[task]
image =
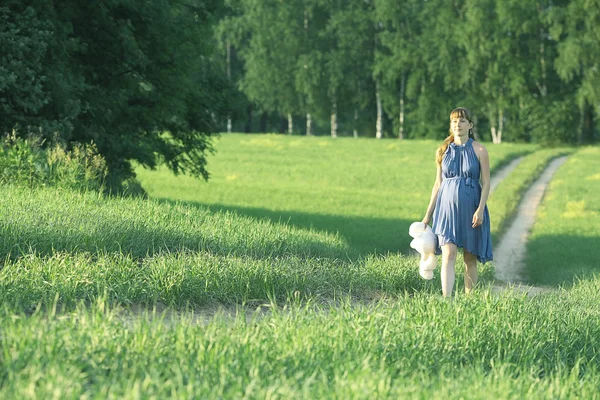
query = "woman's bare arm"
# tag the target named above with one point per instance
(434, 195)
(484, 162)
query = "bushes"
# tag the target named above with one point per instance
(25, 162)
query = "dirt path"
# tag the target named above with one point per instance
(503, 173)
(510, 253)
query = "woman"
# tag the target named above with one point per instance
(458, 201)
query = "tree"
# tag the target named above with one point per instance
(132, 76)
(577, 28)
(268, 35)
(398, 59)
(350, 59)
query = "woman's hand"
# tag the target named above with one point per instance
(426, 220)
(477, 218)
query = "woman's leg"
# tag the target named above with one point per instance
(470, 271)
(448, 260)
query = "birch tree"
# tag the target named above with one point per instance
(577, 26)
(353, 30)
(268, 36)
(399, 55)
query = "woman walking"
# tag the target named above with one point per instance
(458, 201)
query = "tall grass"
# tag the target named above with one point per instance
(141, 251)
(420, 346)
(47, 220)
(197, 279)
(564, 241)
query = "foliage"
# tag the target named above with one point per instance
(576, 29)
(507, 62)
(551, 121)
(117, 73)
(26, 162)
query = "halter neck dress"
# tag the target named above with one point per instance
(457, 200)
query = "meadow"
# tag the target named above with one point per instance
(341, 311)
(564, 242)
(366, 191)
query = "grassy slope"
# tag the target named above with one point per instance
(47, 220)
(77, 246)
(128, 250)
(481, 346)
(564, 241)
(369, 191)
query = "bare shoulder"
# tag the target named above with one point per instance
(480, 149)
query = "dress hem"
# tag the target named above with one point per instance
(447, 240)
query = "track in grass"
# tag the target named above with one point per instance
(503, 173)
(510, 253)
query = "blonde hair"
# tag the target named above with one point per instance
(459, 112)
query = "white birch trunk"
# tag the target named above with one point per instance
(308, 125)
(378, 133)
(308, 117)
(355, 131)
(290, 124)
(500, 124)
(542, 86)
(229, 79)
(334, 119)
(497, 132)
(401, 116)
(543, 89)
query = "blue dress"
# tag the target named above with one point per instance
(457, 200)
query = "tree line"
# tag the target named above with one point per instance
(386, 68)
(151, 82)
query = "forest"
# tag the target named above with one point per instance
(153, 82)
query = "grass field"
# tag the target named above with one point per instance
(503, 203)
(481, 346)
(367, 191)
(565, 241)
(349, 315)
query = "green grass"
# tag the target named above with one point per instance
(197, 279)
(48, 220)
(478, 346)
(504, 202)
(78, 246)
(564, 241)
(73, 263)
(368, 191)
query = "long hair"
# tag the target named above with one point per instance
(459, 112)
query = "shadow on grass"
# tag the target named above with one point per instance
(365, 235)
(112, 234)
(140, 243)
(562, 259)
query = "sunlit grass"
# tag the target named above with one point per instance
(48, 220)
(343, 324)
(196, 279)
(420, 346)
(565, 238)
(504, 202)
(368, 191)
